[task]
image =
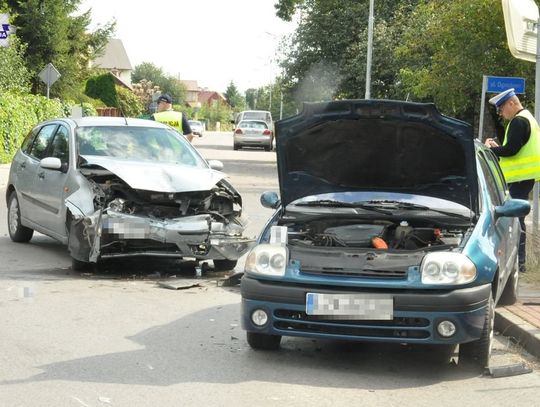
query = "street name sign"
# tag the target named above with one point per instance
(497, 84)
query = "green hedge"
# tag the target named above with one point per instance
(18, 114)
(102, 87)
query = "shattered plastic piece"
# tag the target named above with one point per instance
(179, 285)
(508, 370)
(233, 279)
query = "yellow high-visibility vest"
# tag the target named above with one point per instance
(170, 117)
(526, 163)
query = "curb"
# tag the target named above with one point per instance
(526, 335)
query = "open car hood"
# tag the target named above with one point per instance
(162, 177)
(376, 145)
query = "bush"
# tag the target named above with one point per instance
(18, 114)
(129, 104)
(102, 87)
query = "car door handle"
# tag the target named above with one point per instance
(41, 175)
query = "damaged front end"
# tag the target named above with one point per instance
(110, 219)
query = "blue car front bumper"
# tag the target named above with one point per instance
(415, 319)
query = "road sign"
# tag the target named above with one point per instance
(497, 84)
(49, 75)
(5, 30)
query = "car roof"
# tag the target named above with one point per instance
(91, 121)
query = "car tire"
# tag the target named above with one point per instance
(509, 295)
(79, 265)
(17, 232)
(476, 354)
(268, 148)
(263, 341)
(236, 147)
(224, 265)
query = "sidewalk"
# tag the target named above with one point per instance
(522, 320)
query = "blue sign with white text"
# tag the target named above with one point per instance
(497, 84)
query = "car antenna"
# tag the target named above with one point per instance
(123, 115)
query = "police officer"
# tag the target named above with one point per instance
(519, 154)
(166, 115)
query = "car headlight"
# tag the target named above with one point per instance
(447, 268)
(267, 259)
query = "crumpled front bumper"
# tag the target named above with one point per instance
(114, 234)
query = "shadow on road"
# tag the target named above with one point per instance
(209, 347)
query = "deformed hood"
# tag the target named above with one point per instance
(162, 177)
(376, 145)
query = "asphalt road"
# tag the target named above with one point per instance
(119, 339)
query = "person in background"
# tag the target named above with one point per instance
(165, 114)
(519, 153)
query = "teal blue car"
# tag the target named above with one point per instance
(392, 224)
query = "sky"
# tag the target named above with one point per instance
(210, 41)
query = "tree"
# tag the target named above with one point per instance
(14, 76)
(326, 57)
(52, 33)
(166, 83)
(234, 98)
(447, 48)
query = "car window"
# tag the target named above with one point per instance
(41, 142)
(60, 145)
(491, 183)
(137, 143)
(493, 163)
(28, 140)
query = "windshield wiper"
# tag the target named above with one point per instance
(417, 207)
(338, 204)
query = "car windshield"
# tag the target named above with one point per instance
(256, 116)
(192, 123)
(137, 143)
(252, 125)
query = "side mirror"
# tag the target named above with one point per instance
(215, 165)
(513, 208)
(51, 163)
(270, 199)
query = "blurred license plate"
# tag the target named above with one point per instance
(350, 306)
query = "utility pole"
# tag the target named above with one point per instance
(369, 49)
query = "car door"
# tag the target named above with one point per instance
(506, 229)
(27, 167)
(49, 185)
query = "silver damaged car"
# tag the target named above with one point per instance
(116, 187)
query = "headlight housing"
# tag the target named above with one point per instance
(267, 259)
(447, 268)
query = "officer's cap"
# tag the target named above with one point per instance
(502, 97)
(164, 98)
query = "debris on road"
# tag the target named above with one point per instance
(508, 370)
(179, 285)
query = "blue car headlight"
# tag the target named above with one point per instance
(267, 259)
(447, 268)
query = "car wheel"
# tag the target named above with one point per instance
(263, 341)
(79, 265)
(477, 353)
(509, 295)
(235, 147)
(224, 265)
(268, 148)
(17, 232)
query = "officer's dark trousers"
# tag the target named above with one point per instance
(521, 190)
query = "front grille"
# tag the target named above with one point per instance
(298, 321)
(338, 271)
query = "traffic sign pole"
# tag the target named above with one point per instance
(482, 108)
